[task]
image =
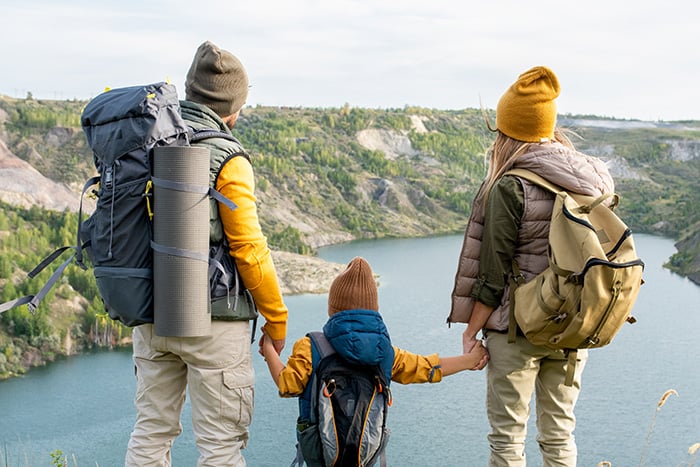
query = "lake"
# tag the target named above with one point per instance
(83, 405)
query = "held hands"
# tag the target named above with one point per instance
(472, 345)
(478, 354)
(265, 345)
(475, 359)
(273, 345)
(270, 350)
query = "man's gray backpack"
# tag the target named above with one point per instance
(125, 128)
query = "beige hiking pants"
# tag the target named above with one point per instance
(514, 372)
(218, 372)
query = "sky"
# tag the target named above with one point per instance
(614, 58)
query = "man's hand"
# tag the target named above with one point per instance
(278, 344)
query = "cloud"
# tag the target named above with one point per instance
(614, 59)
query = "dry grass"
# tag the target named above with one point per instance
(660, 404)
(692, 450)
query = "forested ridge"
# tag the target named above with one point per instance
(323, 176)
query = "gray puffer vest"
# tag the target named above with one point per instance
(573, 171)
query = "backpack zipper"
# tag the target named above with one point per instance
(109, 179)
(595, 338)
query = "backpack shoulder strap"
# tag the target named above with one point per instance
(321, 344)
(205, 133)
(586, 202)
(534, 178)
(320, 348)
(516, 278)
(197, 135)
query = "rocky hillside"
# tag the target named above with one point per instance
(23, 185)
(326, 176)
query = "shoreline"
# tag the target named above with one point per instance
(297, 275)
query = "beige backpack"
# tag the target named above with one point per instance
(587, 293)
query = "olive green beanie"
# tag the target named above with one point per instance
(217, 79)
(527, 111)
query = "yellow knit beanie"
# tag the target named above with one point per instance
(217, 79)
(354, 288)
(527, 111)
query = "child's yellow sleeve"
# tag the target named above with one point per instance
(413, 368)
(295, 376)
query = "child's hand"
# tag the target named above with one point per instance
(268, 349)
(266, 344)
(261, 343)
(478, 355)
(277, 345)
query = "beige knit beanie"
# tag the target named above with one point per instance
(354, 288)
(527, 111)
(217, 79)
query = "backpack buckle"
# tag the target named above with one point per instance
(592, 340)
(108, 178)
(329, 388)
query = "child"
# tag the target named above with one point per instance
(357, 332)
(354, 322)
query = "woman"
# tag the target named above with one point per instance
(510, 222)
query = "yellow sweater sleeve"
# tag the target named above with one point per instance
(295, 376)
(407, 368)
(413, 368)
(248, 245)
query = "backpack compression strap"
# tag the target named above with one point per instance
(188, 188)
(195, 136)
(32, 301)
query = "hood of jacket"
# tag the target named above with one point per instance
(573, 171)
(360, 337)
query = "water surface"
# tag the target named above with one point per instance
(83, 405)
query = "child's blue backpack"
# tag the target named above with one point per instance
(342, 413)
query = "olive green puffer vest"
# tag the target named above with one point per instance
(222, 150)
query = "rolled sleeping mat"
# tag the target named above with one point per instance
(181, 241)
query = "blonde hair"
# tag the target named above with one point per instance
(501, 156)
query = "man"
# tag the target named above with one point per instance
(217, 368)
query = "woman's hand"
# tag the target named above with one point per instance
(469, 340)
(479, 351)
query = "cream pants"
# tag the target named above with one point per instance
(514, 372)
(218, 372)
